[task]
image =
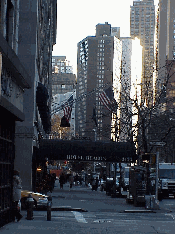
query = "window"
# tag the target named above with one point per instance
(0, 16)
(10, 23)
(63, 86)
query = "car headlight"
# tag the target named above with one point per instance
(165, 184)
(42, 198)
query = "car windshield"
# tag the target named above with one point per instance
(166, 174)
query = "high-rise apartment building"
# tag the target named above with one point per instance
(63, 79)
(142, 25)
(95, 74)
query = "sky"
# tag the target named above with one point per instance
(77, 19)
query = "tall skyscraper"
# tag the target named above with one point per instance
(95, 75)
(165, 51)
(142, 25)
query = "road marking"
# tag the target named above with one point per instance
(173, 216)
(102, 221)
(79, 217)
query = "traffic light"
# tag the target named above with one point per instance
(151, 157)
(64, 122)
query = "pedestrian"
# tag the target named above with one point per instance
(16, 195)
(86, 180)
(76, 179)
(61, 180)
(50, 183)
(71, 180)
(96, 183)
(93, 184)
(53, 178)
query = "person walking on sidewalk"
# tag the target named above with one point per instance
(16, 195)
(96, 183)
(61, 180)
(71, 180)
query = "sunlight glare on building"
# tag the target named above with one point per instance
(136, 78)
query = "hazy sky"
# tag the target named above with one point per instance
(76, 19)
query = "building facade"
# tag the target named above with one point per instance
(63, 79)
(94, 75)
(165, 52)
(142, 25)
(164, 80)
(14, 81)
(37, 35)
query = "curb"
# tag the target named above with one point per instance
(67, 208)
(139, 211)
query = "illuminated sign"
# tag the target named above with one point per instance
(98, 158)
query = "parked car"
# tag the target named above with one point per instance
(109, 182)
(40, 200)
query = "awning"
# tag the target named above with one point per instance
(41, 100)
(86, 150)
(41, 94)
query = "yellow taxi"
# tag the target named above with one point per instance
(40, 200)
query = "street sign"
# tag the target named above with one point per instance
(157, 143)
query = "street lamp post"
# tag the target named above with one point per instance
(157, 176)
(95, 131)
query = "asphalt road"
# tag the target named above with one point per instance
(100, 214)
(109, 215)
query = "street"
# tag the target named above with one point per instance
(99, 213)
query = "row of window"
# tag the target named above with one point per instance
(101, 45)
(100, 54)
(100, 76)
(100, 67)
(83, 52)
(100, 58)
(99, 72)
(143, 3)
(101, 41)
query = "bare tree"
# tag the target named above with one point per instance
(58, 132)
(137, 119)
